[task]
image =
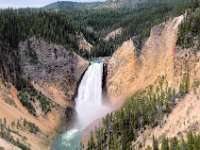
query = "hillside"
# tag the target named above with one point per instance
(97, 20)
(151, 76)
(108, 4)
(39, 88)
(78, 6)
(71, 6)
(156, 54)
(38, 76)
(135, 22)
(161, 109)
(57, 28)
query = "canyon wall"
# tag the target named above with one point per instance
(160, 56)
(129, 73)
(184, 117)
(51, 68)
(53, 71)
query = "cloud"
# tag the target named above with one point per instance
(30, 3)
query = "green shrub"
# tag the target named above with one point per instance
(31, 127)
(28, 96)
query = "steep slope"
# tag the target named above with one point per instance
(128, 74)
(37, 84)
(160, 57)
(6, 145)
(161, 87)
(84, 45)
(183, 120)
(112, 35)
(52, 68)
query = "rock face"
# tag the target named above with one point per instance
(121, 70)
(52, 68)
(183, 119)
(128, 74)
(53, 71)
(112, 35)
(9, 70)
(83, 44)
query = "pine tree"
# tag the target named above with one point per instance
(155, 144)
(174, 144)
(91, 143)
(165, 144)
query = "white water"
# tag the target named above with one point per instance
(89, 107)
(89, 99)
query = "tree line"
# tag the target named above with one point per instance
(192, 142)
(189, 33)
(63, 27)
(136, 22)
(54, 27)
(142, 111)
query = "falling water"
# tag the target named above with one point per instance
(88, 107)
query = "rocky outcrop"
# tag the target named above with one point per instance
(83, 44)
(128, 74)
(112, 35)
(9, 69)
(51, 68)
(53, 71)
(121, 70)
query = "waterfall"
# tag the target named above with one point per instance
(89, 99)
(88, 107)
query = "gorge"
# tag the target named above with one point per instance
(89, 107)
(100, 76)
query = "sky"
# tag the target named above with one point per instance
(31, 3)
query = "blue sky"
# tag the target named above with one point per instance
(31, 3)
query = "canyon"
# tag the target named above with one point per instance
(55, 74)
(129, 73)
